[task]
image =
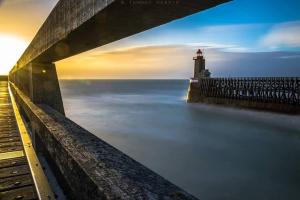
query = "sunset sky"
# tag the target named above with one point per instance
(240, 38)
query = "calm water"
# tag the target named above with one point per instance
(212, 152)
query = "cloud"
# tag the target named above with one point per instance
(164, 61)
(229, 28)
(283, 35)
(17, 1)
(230, 37)
(253, 64)
(175, 61)
(156, 54)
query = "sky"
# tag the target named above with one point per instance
(239, 38)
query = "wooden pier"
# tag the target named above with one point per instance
(19, 167)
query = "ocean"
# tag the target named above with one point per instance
(210, 151)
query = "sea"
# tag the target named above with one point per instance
(212, 152)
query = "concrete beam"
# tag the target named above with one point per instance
(75, 26)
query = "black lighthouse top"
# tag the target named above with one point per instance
(199, 52)
(199, 55)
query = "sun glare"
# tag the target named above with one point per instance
(11, 48)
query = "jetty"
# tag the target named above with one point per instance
(276, 94)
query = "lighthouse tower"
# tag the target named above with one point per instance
(199, 70)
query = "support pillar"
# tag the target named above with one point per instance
(44, 86)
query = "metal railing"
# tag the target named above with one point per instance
(285, 90)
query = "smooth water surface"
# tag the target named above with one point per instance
(212, 152)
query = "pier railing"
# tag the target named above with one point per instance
(257, 90)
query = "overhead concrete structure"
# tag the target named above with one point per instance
(75, 26)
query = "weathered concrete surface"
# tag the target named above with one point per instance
(76, 26)
(89, 167)
(44, 87)
(39, 81)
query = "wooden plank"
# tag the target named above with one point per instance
(11, 144)
(12, 162)
(25, 193)
(8, 134)
(12, 183)
(8, 131)
(14, 171)
(11, 149)
(12, 139)
(11, 154)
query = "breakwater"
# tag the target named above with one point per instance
(279, 94)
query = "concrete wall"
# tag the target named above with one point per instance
(39, 82)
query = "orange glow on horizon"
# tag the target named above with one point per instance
(128, 63)
(11, 49)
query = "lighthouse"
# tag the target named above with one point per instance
(199, 69)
